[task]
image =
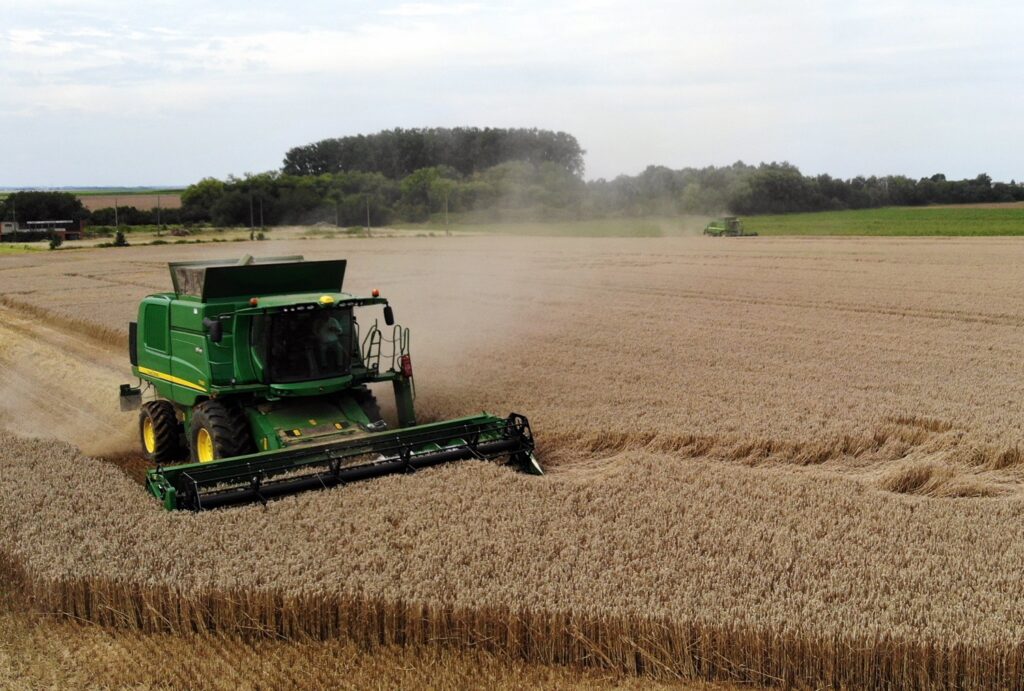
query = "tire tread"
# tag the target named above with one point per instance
(227, 424)
(166, 428)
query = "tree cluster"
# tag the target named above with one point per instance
(52, 206)
(398, 153)
(507, 190)
(130, 216)
(42, 206)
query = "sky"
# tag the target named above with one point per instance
(108, 92)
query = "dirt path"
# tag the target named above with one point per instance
(62, 385)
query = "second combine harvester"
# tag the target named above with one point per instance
(259, 378)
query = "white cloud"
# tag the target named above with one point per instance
(430, 9)
(145, 99)
(90, 32)
(690, 82)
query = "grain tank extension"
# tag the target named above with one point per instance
(256, 379)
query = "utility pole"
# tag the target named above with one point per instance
(447, 230)
(261, 213)
(252, 225)
(159, 225)
(116, 224)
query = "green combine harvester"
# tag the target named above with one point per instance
(728, 227)
(258, 375)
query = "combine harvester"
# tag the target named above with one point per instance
(259, 377)
(728, 227)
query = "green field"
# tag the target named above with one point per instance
(895, 221)
(649, 227)
(899, 221)
(20, 249)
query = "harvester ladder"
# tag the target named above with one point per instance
(372, 348)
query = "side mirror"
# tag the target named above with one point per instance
(389, 315)
(215, 327)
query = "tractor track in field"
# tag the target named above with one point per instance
(62, 385)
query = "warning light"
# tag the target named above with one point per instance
(254, 301)
(375, 293)
(326, 300)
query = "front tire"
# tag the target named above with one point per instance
(159, 432)
(218, 431)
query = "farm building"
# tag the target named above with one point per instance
(40, 230)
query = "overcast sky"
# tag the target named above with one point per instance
(107, 92)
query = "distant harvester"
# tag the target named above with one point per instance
(730, 226)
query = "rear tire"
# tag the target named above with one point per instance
(159, 432)
(218, 431)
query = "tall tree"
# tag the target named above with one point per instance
(400, 152)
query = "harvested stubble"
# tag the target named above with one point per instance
(736, 434)
(846, 352)
(142, 202)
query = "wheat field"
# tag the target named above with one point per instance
(777, 461)
(39, 652)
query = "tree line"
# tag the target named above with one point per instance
(493, 175)
(781, 188)
(521, 190)
(355, 198)
(33, 205)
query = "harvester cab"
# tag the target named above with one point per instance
(257, 374)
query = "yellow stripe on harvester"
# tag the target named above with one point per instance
(174, 380)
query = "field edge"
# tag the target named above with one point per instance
(634, 646)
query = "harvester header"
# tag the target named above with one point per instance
(258, 374)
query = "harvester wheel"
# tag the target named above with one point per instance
(159, 432)
(219, 431)
(368, 402)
